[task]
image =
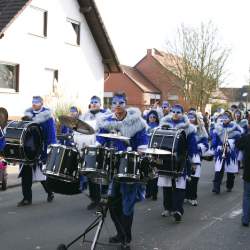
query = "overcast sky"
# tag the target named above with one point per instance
(135, 25)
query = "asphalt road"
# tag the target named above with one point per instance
(213, 224)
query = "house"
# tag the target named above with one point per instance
(140, 91)
(152, 70)
(237, 96)
(57, 49)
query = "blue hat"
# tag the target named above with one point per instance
(95, 98)
(73, 109)
(165, 104)
(178, 106)
(37, 100)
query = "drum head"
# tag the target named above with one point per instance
(24, 141)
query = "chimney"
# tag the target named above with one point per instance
(150, 52)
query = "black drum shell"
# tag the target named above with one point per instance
(175, 141)
(62, 162)
(24, 142)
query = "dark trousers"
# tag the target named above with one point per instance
(96, 190)
(123, 223)
(218, 176)
(173, 199)
(246, 203)
(152, 188)
(191, 188)
(26, 180)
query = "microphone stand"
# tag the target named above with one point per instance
(98, 222)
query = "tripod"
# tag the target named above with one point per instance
(98, 222)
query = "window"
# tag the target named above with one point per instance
(107, 102)
(9, 76)
(38, 21)
(52, 80)
(73, 32)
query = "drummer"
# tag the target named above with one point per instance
(28, 173)
(95, 111)
(123, 196)
(174, 189)
(73, 112)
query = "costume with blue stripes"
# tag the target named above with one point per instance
(2, 140)
(134, 127)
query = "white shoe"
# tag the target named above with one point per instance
(177, 216)
(166, 213)
(194, 203)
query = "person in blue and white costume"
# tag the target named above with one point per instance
(173, 195)
(94, 112)
(152, 122)
(128, 122)
(223, 143)
(243, 123)
(202, 143)
(28, 173)
(2, 139)
(3, 122)
(68, 132)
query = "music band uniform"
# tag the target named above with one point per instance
(152, 122)
(2, 140)
(202, 144)
(29, 173)
(226, 155)
(95, 112)
(174, 189)
(123, 196)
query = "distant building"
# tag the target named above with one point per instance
(149, 80)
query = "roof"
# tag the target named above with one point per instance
(10, 9)
(143, 83)
(89, 9)
(235, 94)
(219, 94)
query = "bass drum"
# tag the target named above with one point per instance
(24, 142)
(175, 141)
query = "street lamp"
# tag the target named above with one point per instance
(245, 94)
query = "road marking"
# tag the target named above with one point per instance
(235, 213)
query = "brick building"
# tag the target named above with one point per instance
(149, 80)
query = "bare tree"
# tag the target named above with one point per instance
(198, 59)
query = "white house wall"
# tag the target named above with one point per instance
(81, 72)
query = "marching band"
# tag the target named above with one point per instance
(123, 156)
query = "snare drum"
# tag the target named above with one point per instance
(97, 163)
(24, 142)
(127, 167)
(63, 163)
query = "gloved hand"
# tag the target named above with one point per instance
(193, 169)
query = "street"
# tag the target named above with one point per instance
(214, 224)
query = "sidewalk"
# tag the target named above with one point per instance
(12, 180)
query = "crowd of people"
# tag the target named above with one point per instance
(224, 137)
